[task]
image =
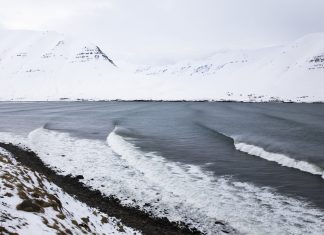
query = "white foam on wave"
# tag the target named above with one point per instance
(19, 140)
(178, 191)
(281, 159)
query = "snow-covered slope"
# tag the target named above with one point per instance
(294, 71)
(30, 204)
(50, 66)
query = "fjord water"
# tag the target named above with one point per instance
(238, 142)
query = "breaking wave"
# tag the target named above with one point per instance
(258, 151)
(281, 159)
(180, 192)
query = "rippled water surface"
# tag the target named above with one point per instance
(269, 148)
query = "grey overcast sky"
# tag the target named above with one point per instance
(162, 31)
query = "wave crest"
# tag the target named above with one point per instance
(281, 159)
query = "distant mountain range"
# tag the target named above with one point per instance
(49, 66)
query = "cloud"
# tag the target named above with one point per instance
(155, 31)
(44, 14)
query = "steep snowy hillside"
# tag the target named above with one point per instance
(49, 66)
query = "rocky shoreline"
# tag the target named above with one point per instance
(129, 216)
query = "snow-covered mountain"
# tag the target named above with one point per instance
(294, 71)
(32, 51)
(50, 66)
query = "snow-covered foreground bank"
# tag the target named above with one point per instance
(61, 68)
(30, 204)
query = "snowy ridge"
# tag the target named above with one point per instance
(281, 159)
(32, 205)
(62, 68)
(172, 189)
(261, 74)
(305, 53)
